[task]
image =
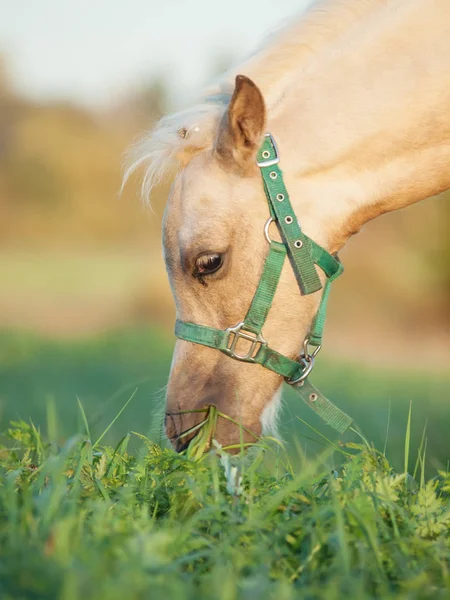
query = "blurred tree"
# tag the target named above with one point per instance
(138, 113)
(10, 104)
(60, 173)
(153, 100)
(145, 105)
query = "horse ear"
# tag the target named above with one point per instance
(242, 126)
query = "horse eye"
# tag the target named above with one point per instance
(207, 264)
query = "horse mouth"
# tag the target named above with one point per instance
(194, 432)
(183, 427)
(179, 445)
(181, 441)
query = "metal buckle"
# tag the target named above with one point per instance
(237, 333)
(270, 161)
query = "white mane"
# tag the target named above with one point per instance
(160, 150)
(274, 67)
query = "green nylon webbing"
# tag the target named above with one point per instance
(262, 300)
(220, 339)
(318, 324)
(201, 334)
(329, 264)
(331, 414)
(217, 338)
(303, 256)
(276, 192)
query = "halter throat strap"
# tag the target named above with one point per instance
(304, 254)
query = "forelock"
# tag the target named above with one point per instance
(174, 141)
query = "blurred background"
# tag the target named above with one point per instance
(85, 307)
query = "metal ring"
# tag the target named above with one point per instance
(266, 229)
(280, 197)
(306, 351)
(288, 220)
(308, 361)
(266, 154)
(298, 243)
(273, 174)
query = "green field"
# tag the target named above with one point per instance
(104, 371)
(97, 508)
(88, 522)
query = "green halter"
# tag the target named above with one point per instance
(304, 254)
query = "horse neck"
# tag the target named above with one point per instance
(290, 48)
(366, 127)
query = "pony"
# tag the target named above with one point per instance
(357, 96)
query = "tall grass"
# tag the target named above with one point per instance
(84, 521)
(103, 372)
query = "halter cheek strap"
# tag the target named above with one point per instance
(304, 254)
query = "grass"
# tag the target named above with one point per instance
(112, 513)
(81, 520)
(104, 371)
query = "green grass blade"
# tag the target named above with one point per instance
(83, 416)
(115, 419)
(407, 440)
(324, 437)
(419, 452)
(387, 428)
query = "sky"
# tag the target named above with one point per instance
(93, 51)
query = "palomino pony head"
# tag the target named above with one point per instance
(357, 95)
(215, 248)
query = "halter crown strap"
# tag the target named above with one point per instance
(304, 254)
(298, 244)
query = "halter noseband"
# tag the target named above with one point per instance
(304, 255)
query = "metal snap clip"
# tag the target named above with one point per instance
(308, 363)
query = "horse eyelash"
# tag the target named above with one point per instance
(200, 278)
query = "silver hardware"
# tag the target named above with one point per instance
(307, 359)
(266, 229)
(270, 161)
(308, 363)
(313, 397)
(266, 154)
(280, 197)
(288, 220)
(306, 351)
(273, 175)
(298, 243)
(238, 332)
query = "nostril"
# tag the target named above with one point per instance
(178, 429)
